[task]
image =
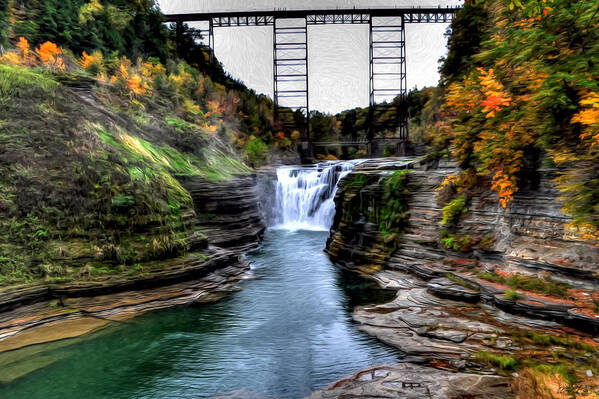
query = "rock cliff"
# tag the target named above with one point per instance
(227, 211)
(521, 282)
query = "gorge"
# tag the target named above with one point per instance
(159, 239)
(291, 319)
(302, 320)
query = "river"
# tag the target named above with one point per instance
(288, 332)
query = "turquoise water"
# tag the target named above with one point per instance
(287, 333)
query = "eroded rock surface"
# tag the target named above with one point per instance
(464, 312)
(228, 211)
(531, 239)
(408, 381)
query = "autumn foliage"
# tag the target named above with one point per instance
(527, 98)
(47, 54)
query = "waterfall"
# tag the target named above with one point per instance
(304, 195)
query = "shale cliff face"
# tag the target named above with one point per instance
(520, 281)
(227, 211)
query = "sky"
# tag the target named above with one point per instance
(338, 54)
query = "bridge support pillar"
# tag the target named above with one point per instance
(388, 78)
(290, 78)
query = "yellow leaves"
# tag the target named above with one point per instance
(92, 63)
(591, 100)
(190, 107)
(22, 55)
(88, 11)
(448, 181)
(50, 55)
(505, 186)
(11, 57)
(586, 231)
(588, 116)
(295, 135)
(150, 71)
(124, 71)
(136, 85)
(23, 46)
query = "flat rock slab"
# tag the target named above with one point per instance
(408, 381)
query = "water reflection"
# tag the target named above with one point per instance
(288, 332)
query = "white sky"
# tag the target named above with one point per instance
(338, 54)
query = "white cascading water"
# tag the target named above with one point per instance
(304, 195)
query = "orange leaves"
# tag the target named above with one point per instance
(505, 185)
(136, 85)
(463, 97)
(130, 77)
(86, 60)
(525, 24)
(92, 63)
(23, 46)
(496, 97)
(50, 55)
(214, 107)
(280, 135)
(492, 103)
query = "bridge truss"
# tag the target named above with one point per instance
(387, 54)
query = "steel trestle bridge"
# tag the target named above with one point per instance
(387, 53)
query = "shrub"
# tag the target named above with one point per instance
(393, 214)
(453, 211)
(388, 151)
(487, 243)
(256, 151)
(457, 243)
(358, 182)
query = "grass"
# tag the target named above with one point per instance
(512, 295)
(547, 340)
(92, 189)
(461, 281)
(529, 283)
(504, 362)
(17, 82)
(211, 164)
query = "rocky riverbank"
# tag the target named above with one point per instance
(521, 299)
(228, 223)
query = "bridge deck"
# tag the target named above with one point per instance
(244, 18)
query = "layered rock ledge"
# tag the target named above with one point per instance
(228, 222)
(474, 311)
(228, 211)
